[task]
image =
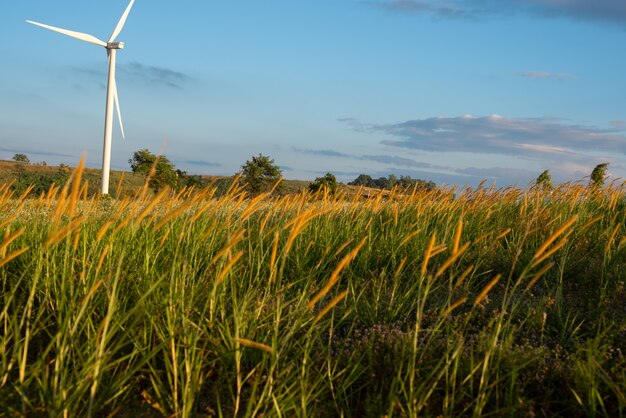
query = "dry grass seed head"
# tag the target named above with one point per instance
(483, 294)
(334, 277)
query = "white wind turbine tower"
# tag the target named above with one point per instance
(112, 99)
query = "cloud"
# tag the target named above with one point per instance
(30, 151)
(619, 125)
(137, 72)
(587, 10)
(502, 175)
(155, 75)
(323, 153)
(530, 138)
(416, 6)
(545, 74)
(475, 147)
(396, 161)
(201, 163)
(383, 159)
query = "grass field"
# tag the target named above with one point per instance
(22, 175)
(445, 303)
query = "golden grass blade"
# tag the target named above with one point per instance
(229, 246)
(103, 230)
(331, 305)
(152, 204)
(547, 254)
(253, 344)
(14, 215)
(13, 255)
(169, 217)
(428, 253)
(228, 267)
(408, 237)
(9, 239)
(334, 277)
(273, 257)
(554, 236)
(457, 237)
(264, 222)
(65, 231)
(483, 294)
(455, 255)
(607, 248)
(120, 183)
(164, 237)
(503, 234)
(104, 253)
(400, 267)
(592, 221)
(252, 206)
(76, 185)
(463, 276)
(452, 307)
(540, 273)
(343, 247)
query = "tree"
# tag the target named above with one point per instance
(21, 158)
(328, 182)
(260, 174)
(544, 180)
(362, 180)
(165, 172)
(41, 183)
(190, 180)
(391, 181)
(598, 175)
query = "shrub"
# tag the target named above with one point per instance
(598, 175)
(544, 180)
(260, 174)
(328, 182)
(165, 174)
(21, 158)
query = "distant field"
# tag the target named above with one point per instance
(131, 183)
(480, 303)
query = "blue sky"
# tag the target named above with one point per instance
(454, 91)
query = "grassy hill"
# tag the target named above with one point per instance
(122, 182)
(43, 176)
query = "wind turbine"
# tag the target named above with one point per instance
(112, 98)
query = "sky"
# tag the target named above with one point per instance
(453, 91)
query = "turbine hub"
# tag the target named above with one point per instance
(115, 45)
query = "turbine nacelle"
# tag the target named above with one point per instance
(115, 45)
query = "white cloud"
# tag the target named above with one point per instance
(544, 148)
(530, 137)
(510, 150)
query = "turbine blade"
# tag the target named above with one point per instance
(117, 107)
(120, 24)
(78, 35)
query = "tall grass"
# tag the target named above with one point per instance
(424, 303)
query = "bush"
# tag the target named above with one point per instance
(391, 181)
(21, 158)
(544, 180)
(598, 175)
(260, 174)
(328, 182)
(41, 182)
(165, 174)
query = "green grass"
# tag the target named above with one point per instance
(485, 303)
(22, 175)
